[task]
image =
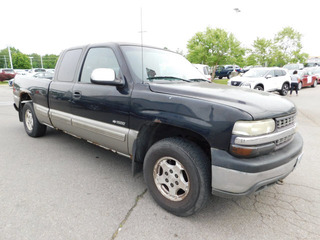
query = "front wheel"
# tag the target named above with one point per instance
(31, 124)
(315, 83)
(177, 174)
(259, 88)
(284, 90)
(299, 85)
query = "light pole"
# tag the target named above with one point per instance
(9, 51)
(31, 62)
(41, 61)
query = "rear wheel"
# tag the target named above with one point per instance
(284, 89)
(315, 83)
(31, 124)
(177, 174)
(299, 85)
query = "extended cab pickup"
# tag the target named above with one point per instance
(192, 137)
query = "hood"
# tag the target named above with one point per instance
(258, 104)
(246, 79)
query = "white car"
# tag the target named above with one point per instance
(204, 69)
(264, 79)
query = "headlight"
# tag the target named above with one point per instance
(246, 85)
(254, 128)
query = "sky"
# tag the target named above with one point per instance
(48, 27)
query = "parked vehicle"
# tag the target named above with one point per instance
(47, 75)
(247, 68)
(204, 69)
(293, 66)
(316, 72)
(307, 78)
(6, 74)
(264, 79)
(226, 70)
(191, 137)
(36, 70)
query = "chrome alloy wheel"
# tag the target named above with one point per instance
(171, 179)
(28, 119)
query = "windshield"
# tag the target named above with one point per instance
(160, 65)
(254, 72)
(291, 66)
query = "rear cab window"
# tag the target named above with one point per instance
(68, 65)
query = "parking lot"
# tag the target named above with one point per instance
(61, 187)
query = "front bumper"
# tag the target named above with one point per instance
(233, 176)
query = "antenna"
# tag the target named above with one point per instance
(141, 32)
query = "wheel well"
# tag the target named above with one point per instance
(23, 97)
(259, 85)
(151, 133)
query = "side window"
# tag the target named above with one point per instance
(68, 65)
(99, 58)
(278, 73)
(271, 73)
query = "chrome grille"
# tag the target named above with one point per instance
(285, 121)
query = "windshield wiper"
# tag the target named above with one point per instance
(169, 78)
(199, 80)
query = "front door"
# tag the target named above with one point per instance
(101, 112)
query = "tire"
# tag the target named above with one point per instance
(284, 89)
(177, 174)
(220, 77)
(31, 124)
(314, 84)
(259, 88)
(299, 85)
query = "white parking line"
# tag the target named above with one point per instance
(6, 103)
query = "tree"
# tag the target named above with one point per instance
(20, 61)
(36, 60)
(4, 57)
(262, 49)
(215, 47)
(49, 61)
(288, 43)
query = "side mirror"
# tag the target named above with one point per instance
(268, 76)
(105, 76)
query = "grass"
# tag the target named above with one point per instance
(221, 81)
(4, 83)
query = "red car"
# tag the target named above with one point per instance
(6, 74)
(315, 71)
(307, 78)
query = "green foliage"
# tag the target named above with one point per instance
(288, 42)
(20, 61)
(49, 61)
(215, 47)
(262, 49)
(23, 61)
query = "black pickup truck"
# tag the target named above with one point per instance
(191, 137)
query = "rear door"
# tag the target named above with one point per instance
(60, 92)
(280, 78)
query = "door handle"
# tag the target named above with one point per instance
(77, 94)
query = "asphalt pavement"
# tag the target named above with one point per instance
(60, 187)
